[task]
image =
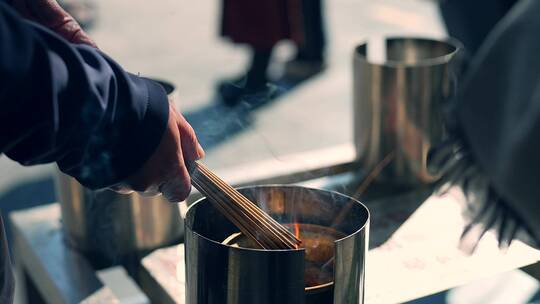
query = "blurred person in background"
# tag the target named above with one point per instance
(62, 100)
(309, 58)
(493, 151)
(261, 25)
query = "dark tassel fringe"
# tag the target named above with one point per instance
(453, 161)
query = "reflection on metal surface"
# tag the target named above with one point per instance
(109, 226)
(217, 273)
(397, 104)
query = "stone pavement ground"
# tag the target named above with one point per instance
(178, 40)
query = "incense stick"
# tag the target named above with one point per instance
(373, 174)
(253, 222)
(366, 182)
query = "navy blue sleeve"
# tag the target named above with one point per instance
(72, 105)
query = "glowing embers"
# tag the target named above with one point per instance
(318, 242)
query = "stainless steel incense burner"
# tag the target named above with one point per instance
(398, 103)
(221, 268)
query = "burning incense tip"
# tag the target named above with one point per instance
(318, 243)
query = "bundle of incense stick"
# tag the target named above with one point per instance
(253, 222)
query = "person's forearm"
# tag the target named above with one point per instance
(73, 105)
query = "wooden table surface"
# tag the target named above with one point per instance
(59, 273)
(413, 241)
(413, 252)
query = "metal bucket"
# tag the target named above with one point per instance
(397, 103)
(220, 273)
(110, 227)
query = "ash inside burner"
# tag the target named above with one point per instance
(318, 242)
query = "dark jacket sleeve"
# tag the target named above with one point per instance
(73, 105)
(499, 110)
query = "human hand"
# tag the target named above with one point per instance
(51, 15)
(166, 171)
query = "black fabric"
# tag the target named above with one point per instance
(470, 21)
(498, 108)
(73, 105)
(314, 34)
(256, 74)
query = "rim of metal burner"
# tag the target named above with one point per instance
(453, 45)
(254, 187)
(239, 234)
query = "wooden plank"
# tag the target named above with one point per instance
(163, 275)
(122, 285)
(60, 274)
(421, 256)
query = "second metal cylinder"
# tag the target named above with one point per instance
(397, 103)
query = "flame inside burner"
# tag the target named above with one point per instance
(318, 243)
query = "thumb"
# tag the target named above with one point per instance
(191, 149)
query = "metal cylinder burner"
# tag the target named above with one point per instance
(222, 268)
(398, 101)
